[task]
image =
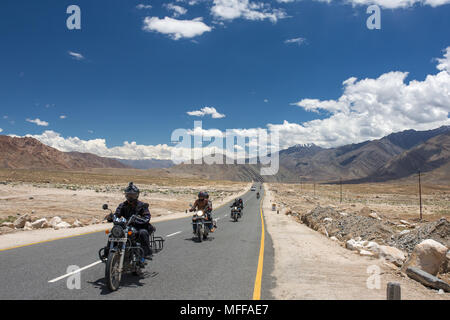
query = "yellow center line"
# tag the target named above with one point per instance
(259, 271)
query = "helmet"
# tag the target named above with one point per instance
(206, 195)
(202, 195)
(131, 192)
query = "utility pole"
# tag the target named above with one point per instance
(420, 197)
(340, 184)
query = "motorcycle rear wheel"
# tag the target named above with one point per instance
(112, 274)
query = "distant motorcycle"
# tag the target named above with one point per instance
(257, 195)
(124, 252)
(201, 225)
(235, 213)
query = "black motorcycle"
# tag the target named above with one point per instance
(124, 253)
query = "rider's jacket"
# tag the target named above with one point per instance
(237, 204)
(139, 208)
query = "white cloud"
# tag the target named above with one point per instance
(395, 4)
(206, 111)
(143, 6)
(444, 63)
(234, 9)
(299, 41)
(372, 108)
(62, 116)
(76, 55)
(266, 100)
(129, 150)
(176, 29)
(38, 122)
(177, 10)
(1, 130)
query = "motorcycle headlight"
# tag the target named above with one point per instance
(117, 232)
(200, 213)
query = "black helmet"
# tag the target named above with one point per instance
(206, 195)
(131, 192)
(202, 195)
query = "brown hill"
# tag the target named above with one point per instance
(29, 153)
(431, 157)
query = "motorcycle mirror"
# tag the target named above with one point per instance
(105, 207)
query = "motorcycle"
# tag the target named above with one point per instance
(257, 195)
(201, 225)
(235, 213)
(125, 253)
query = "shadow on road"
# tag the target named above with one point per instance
(128, 281)
(196, 240)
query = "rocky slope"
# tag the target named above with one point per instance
(29, 153)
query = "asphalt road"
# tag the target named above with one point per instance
(222, 267)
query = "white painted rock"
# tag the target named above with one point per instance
(429, 256)
(327, 220)
(62, 225)
(373, 247)
(333, 238)
(39, 224)
(365, 253)
(28, 226)
(393, 255)
(77, 224)
(354, 245)
(55, 221)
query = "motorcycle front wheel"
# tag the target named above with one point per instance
(199, 234)
(112, 273)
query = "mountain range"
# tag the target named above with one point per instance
(396, 156)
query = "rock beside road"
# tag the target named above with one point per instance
(392, 254)
(40, 223)
(28, 226)
(62, 225)
(55, 221)
(20, 222)
(8, 225)
(427, 279)
(429, 256)
(77, 224)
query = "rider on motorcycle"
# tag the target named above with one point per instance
(238, 203)
(132, 206)
(203, 203)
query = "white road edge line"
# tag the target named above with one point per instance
(76, 271)
(172, 234)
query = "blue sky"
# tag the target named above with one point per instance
(124, 82)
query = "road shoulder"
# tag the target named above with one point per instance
(310, 266)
